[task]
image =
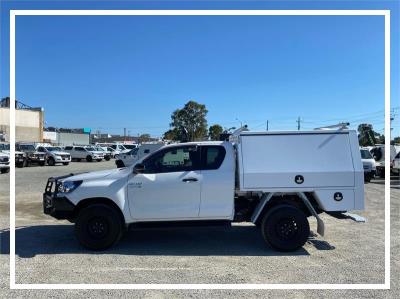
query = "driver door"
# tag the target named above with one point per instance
(168, 188)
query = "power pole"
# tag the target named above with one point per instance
(298, 123)
(267, 125)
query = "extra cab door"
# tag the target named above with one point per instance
(169, 186)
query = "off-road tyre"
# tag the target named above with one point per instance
(98, 227)
(285, 228)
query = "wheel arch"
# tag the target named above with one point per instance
(98, 200)
(288, 199)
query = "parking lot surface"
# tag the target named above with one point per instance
(47, 252)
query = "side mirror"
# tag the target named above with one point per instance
(139, 168)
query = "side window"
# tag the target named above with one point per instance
(173, 160)
(80, 149)
(41, 149)
(212, 157)
(114, 147)
(68, 148)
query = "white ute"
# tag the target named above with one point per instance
(272, 179)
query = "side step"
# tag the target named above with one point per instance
(347, 215)
(189, 223)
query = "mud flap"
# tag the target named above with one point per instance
(320, 223)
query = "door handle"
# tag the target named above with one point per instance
(190, 180)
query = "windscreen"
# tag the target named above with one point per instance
(53, 148)
(27, 147)
(4, 147)
(129, 146)
(365, 154)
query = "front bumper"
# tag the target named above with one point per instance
(37, 159)
(5, 165)
(59, 207)
(62, 159)
(19, 159)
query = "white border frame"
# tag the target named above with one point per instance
(385, 13)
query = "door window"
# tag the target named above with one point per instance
(173, 160)
(212, 157)
(41, 149)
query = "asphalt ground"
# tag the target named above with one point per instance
(47, 251)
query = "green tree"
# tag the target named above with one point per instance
(189, 123)
(366, 135)
(172, 134)
(144, 138)
(215, 131)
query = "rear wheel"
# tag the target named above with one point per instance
(285, 228)
(98, 227)
(5, 170)
(65, 163)
(89, 158)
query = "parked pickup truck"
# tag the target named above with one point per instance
(87, 153)
(32, 155)
(54, 154)
(275, 180)
(20, 157)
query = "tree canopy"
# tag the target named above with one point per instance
(188, 123)
(215, 131)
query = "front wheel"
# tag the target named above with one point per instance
(285, 228)
(98, 227)
(51, 162)
(107, 158)
(89, 158)
(5, 170)
(42, 163)
(65, 163)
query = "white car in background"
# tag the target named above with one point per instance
(368, 164)
(378, 152)
(54, 154)
(108, 153)
(396, 164)
(4, 163)
(87, 153)
(20, 157)
(136, 154)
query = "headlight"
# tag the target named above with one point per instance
(68, 186)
